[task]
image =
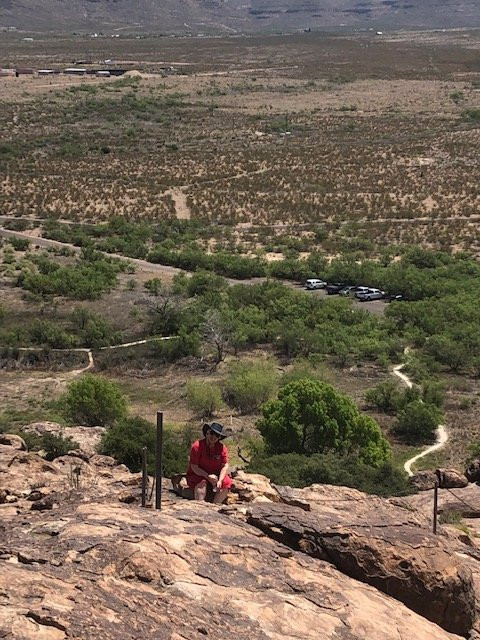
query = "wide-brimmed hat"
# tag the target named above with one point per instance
(216, 427)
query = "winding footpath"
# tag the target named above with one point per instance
(89, 353)
(442, 435)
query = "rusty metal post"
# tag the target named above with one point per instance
(144, 476)
(435, 506)
(158, 461)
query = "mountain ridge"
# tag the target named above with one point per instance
(211, 17)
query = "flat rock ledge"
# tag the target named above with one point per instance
(398, 558)
(113, 571)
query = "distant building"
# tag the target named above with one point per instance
(75, 71)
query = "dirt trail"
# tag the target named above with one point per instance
(182, 210)
(442, 435)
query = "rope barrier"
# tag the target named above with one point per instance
(476, 509)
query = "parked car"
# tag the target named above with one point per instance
(335, 287)
(370, 294)
(315, 283)
(391, 297)
(352, 290)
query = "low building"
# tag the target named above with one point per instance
(75, 71)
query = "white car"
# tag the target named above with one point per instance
(314, 283)
(370, 294)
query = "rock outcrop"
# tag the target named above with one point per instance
(101, 570)
(79, 558)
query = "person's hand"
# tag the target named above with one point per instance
(212, 478)
(218, 486)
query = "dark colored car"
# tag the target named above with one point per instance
(392, 297)
(335, 287)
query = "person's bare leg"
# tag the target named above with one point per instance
(200, 490)
(220, 496)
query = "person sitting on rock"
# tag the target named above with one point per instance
(209, 465)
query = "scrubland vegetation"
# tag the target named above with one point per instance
(357, 171)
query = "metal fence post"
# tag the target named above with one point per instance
(158, 461)
(435, 506)
(144, 476)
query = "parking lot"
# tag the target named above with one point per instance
(376, 307)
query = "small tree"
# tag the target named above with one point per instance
(93, 400)
(204, 398)
(250, 384)
(417, 423)
(310, 416)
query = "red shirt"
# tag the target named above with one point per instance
(210, 459)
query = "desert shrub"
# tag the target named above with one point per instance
(310, 416)
(471, 114)
(249, 384)
(297, 470)
(56, 446)
(385, 397)
(417, 423)
(125, 441)
(388, 397)
(95, 331)
(187, 343)
(204, 398)
(19, 244)
(48, 334)
(86, 280)
(93, 400)
(300, 370)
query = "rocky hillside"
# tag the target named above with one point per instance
(80, 559)
(233, 16)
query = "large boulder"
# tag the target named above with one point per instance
(394, 554)
(424, 480)
(472, 472)
(12, 440)
(451, 479)
(118, 572)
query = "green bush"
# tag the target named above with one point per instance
(95, 331)
(93, 400)
(249, 384)
(187, 343)
(204, 398)
(19, 244)
(417, 423)
(125, 441)
(310, 416)
(297, 470)
(385, 397)
(48, 334)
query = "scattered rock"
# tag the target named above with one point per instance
(127, 497)
(44, 504)
(249, 486)
(472, 472)
(451, 479)
(102, 461)
(12, 440)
